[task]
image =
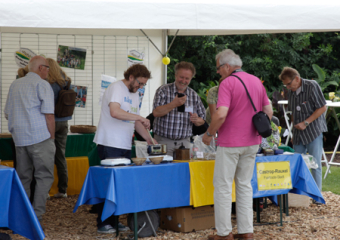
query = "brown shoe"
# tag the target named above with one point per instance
(216, 237)
(244, 236)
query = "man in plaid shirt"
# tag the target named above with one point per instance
(176, 107)
(30, 113)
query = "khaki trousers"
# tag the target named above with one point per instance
(39, 158)
(234, 163)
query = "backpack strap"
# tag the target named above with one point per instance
(68, 84)
(246, 91)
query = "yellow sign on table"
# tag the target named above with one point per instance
(273, 175)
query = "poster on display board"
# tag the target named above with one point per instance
(71, 57)
(137, 57)
(81, 95)
(23, 56)
(106, 80)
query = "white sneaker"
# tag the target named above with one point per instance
(60, 195)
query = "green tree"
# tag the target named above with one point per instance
(263, 55)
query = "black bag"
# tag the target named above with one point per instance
(144, 227)
(260, 119)
(66, 102)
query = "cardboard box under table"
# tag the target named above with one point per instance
(200, 215)
(187, 219)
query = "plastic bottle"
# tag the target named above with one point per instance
(194, 151)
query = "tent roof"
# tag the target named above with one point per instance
(199, 17)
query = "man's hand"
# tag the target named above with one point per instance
(145, 122)
(206, 139)
(195, 119)
(179, 101)
(300, 126)
(149, 141)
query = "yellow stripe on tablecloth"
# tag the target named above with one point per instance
(8, 163)
(77, 169)
(201, 182)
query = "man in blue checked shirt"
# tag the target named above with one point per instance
(29, 110)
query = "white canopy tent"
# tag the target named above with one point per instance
(109, 28)
(194, 17)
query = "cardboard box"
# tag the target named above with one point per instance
(187, 219)
(296, 200)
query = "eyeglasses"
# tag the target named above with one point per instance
(218, 68)
(288, 84)
(48, 67)
(141, 84)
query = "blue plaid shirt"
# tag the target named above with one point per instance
(29, 99)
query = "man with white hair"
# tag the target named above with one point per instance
(238, 142)
(30, 113)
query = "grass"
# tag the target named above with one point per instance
(332, 181)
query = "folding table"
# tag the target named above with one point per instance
(332, 106)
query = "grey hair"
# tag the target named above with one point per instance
(230, 57)
(35, 62)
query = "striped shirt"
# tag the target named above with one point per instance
(29, 99)
(176, 125)
(303, 105)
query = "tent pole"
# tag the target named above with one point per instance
(165, 49)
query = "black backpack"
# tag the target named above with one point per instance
(66, 102)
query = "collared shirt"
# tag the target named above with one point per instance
(29, 99)
(176, 125)
(303, 105)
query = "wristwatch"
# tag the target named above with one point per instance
(209, 135)
(306, 123)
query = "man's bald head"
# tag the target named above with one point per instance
(39, 65)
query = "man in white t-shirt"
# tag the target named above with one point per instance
(118, 119)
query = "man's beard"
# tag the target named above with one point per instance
(132, 88)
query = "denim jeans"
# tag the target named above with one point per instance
(105, 152)
(315, 149)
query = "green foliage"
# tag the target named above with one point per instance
(322, 80)
(203, 91)
(263, 55)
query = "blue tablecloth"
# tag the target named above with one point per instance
(136, 188)
(140, 188)
(302, 180)
(16, 211)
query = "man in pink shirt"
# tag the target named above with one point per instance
(238, 142)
